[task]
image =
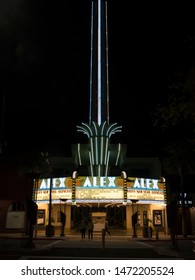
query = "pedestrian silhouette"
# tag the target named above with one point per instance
(83, 229)
(106, 228)
(90, 228)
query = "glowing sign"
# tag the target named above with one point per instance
(101, 182)
(101, 188)
(146, 183)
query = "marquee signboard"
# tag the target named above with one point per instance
(100, 188)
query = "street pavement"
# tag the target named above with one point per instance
(116, 246)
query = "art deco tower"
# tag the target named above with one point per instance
(99, 86)
(99, 155)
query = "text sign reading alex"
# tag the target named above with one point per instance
(111, 187)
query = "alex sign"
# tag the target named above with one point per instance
(100, 182)
(151, 184)
(101, 188)
(113, 182)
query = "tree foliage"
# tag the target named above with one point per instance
(176, 120)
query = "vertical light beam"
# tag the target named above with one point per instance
(99, 63)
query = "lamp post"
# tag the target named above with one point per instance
(35, 198)
(31, 217)
(50, 227)
(183, 206)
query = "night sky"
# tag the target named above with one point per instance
(44, 65)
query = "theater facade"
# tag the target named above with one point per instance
(112, 198)
(101, 189)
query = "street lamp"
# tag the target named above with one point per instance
(49, 227)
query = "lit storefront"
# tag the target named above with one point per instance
(145, 196)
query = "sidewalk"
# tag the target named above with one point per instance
(114, 233)
(118, 242)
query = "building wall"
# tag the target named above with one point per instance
(148, 208)
(14, 188)
(192, 212)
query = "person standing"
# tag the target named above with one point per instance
(83, 229)
(90, 228)
(106, 228)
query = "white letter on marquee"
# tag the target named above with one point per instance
(43, 184)
(87, 183)
(148, 183)
(111, 182)
(102, 181)
(62, 182)
(142, 183)
(54, 182)
(94, 181)
(136, 184)
(155, 184)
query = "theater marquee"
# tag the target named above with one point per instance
(100, 189)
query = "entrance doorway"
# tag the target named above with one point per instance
(99, 220)
(115, 215)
